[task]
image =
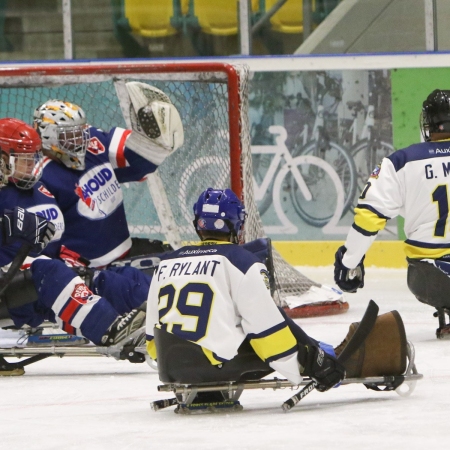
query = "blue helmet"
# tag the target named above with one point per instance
(219, 210)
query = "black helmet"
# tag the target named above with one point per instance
(435, 116)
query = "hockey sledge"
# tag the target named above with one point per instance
(185, 394)
(33, 345)
(200, 387)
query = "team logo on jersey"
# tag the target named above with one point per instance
(44, 191)
(85, 198)
(376, 172)
(99, 192)
(95, 146)
(266, 279)
(81, 293)
(52, 213)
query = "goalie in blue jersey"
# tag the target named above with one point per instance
(85, 166)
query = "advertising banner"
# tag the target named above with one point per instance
(316, 138)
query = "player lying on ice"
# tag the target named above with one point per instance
(210, 314)
(85, 166)
(412, 183)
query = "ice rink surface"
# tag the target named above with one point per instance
(100, 403)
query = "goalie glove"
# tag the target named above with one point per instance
(349, 280)
(24, 226)
(155, 121)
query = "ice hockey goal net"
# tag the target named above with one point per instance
(212, 99)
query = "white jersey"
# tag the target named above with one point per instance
(216, 295)
(412, 183)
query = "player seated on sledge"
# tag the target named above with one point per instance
(85, 166)
(22, 194)
(82, 171)
(211, 318)
(50, 290)
(412, 183)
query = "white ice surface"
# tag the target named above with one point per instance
(100, 403)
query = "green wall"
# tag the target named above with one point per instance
(410, 87)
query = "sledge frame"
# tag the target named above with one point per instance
(185, 393)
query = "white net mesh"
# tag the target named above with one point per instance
(161, 208)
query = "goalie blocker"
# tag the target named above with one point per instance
(155, 121)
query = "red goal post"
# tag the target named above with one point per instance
(212, 99)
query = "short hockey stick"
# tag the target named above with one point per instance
(361, 333)
(15, 266)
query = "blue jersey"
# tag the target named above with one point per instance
(37, 200)
(91, 199)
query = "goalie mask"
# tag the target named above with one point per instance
(64, 132)
(435, 116)
(22, 159)
(220, 210)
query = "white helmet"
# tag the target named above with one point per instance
(64, 132)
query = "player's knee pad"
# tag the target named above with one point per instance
(428, 283)
(20, 291)
(383, 353)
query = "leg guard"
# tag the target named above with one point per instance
(20, 291)
(429, 284)
(383, 353)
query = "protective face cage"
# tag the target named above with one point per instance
(69, 144)
(3, 173)
(25, 169)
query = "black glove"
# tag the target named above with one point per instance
(21, 225)
(349, 280)
(323, 368)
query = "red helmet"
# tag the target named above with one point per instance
(22, 145)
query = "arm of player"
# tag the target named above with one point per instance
(262, 322)
(380, 200)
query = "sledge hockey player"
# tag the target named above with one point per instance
(412, 183)
(24, 202)
(84, 167)
(50, 288)
(208, 302)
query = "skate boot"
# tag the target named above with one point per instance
(123, 327)
(443, 332)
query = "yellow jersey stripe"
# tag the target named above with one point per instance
(414, 252)
(269, 347)
(151, 349)
(368, 220)
(210, 356)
